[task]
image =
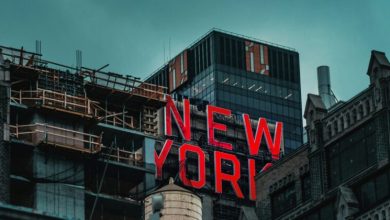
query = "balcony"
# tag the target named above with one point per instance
(57, 137)
(123, 156)
(54, 100)
(117, 119)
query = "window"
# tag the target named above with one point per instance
(348, 121)
(361, 112)
(368, 107)
(324, 213)
(351, 154)
(374, 191)
(354, 116)
(335, 127)
(341, 123)
(283, 200)
(329, 131)
(383, 214)
(306, 191)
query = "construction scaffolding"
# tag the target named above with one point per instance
(37, 134)
(70, 117)
(55, 100)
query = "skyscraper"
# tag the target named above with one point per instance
(243, 74)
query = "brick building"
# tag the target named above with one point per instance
(343, 172)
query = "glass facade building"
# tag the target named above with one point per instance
(241, 74)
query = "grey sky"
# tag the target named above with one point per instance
(131, 35)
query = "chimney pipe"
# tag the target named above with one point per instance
(324, 87)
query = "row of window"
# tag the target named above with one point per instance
(283, 64)
(286, 198)
(347, 119)
(230, 51)
(374, 191)
(202, 55)
(258, 86)
(326, 212)
(259, 105)
(351, 154)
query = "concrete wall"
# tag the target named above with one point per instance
(60, 187)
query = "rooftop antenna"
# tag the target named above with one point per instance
(38, 48)
(79, 60)
(169, 50)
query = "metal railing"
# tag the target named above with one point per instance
(57, 137)
(118, 119)
(126, 84)
(51, 99)
(123, 156)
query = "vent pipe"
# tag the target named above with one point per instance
(324, 88)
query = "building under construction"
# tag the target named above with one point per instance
(79, 143)
(75, 143)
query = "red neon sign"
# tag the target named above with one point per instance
(253, 141)
(198, 184)
(211, 126)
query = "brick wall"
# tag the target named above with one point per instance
(283, 172)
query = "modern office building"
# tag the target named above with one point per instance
(343, 172)
(242, 74)
(247, 76)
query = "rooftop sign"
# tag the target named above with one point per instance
(183, 123)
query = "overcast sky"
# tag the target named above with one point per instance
(131, 35)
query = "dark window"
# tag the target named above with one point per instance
(354, 116)
(280, 72)
(208, 46)
(351, 154)
(335, 127)
(222, 50)
(201, 56)
(228, 52)
(348, 117)
(285, 69)
(368, 107)
(234, 54)
(283, 200)
(306, 192)
(361, 112)
(374, 191)
(324, 213)
(241, 54)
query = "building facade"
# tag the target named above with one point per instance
(242, 74)
(343, 172)
(75, 143)
(245, 76)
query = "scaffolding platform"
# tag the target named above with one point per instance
(54, 100)
(37, 134)
(124, 156)
(123, 89)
